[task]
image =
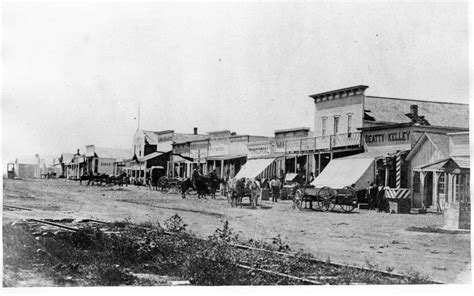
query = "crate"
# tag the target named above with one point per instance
(399, 206)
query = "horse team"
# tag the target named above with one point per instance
(203, 185)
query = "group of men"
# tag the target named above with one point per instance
(376, 197)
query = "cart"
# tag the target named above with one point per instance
(290, 186)
(326, 198)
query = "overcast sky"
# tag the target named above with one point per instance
(74, 74)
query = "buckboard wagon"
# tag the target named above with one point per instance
(326, 198)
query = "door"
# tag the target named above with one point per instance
(428, 190)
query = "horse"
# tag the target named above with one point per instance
(254, 187)
(236, 191)
(186, 184)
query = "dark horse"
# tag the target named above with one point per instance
(204, 185)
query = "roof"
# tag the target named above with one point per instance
(103, 152)
(439, 141)
(66, 157)
(357, 88)
(152, 137)
(184, 138)
(394, 110)
(226, 157)
(292, 129)
(461, 161)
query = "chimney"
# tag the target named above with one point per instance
(78, 152)
(414, 113)
(195, 130)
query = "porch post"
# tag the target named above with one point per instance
(319, 163)
(422, 188)
(435, 197)
(296, 162)
(387, 172)
(222, 168)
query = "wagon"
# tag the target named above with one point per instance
(169, 185)
(326, 198)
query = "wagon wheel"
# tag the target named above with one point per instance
(327, 199)
(298, 200)
(350, 201)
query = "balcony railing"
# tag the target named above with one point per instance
(320, 143)
(345, 140)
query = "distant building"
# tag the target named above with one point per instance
(100, 160)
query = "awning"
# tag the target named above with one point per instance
(434, 166)
(151, 156)
(253, 167)
(379, 152)
(342, 172)
(226, 157)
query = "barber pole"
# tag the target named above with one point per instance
(398, 169)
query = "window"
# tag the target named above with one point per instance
(323, 126)
(441, 183)
(416, 182)
(349, 123)
(336, 124)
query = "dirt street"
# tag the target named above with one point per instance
(363, 238)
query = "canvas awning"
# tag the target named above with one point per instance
(253, 167)
(342, 172)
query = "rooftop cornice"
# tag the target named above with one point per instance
(339, 93)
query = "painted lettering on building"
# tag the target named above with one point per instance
(259, 150)
(387, 138)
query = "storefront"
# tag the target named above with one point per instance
(440, 171)
(198, 152)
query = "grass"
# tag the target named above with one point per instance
(92, 257)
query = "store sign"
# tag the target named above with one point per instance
(182, 149)
(391, 137)
(216, 149)
(198, 150)
(293, 146)
(259, 150)
(308, 144)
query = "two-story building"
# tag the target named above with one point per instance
(385, 130)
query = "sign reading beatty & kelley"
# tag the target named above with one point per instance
(388, 137)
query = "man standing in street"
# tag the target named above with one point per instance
(275, 185)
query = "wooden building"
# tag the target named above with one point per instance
(101, 160)
(440, 170)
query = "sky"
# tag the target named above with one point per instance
(75, 74)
